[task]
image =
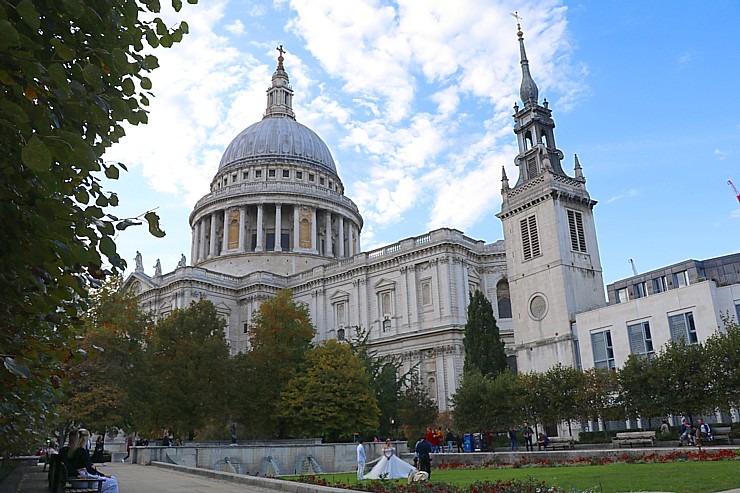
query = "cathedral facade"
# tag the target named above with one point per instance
(276, 217)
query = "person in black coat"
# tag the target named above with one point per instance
(424, 450)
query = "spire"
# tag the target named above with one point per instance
(280, 94)
(578, 169)
(528, 90)
(504, 179)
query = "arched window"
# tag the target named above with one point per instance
(503, 299)
(527, 141)
(340, 335)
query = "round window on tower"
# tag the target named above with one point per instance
(538, 306)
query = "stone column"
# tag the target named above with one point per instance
(329, 250)
(242, 228)
(296, 242)
(202, 245)
(213, 235)
(359, 245)
(194, 244)
(351, 245)
(225, 239)
(341, 237)
(260, 229)
(278, 227)
(314, 233)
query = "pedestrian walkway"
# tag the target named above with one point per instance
(151, 479)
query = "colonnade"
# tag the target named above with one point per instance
(253, 227)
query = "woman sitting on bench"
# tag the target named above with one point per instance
(79, 460)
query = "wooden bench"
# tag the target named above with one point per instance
(722, 433)
(65, 484)
(561, 443)
(634, 438)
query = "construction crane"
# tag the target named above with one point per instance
(729, 182)
(634, 269)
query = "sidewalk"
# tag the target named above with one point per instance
(132, 477)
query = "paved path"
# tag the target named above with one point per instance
(133, 478)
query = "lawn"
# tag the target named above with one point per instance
(677, 477)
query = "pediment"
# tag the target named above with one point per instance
(339, 295)
(383, 284)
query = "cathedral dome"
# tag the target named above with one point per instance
(278, 140)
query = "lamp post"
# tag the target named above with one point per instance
(393, 424)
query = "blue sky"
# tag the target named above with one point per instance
(414, 99)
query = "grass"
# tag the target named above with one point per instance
(677, 477)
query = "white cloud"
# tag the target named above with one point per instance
(721, 155)
(236, 27)
(626, 194)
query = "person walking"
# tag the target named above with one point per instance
(512, 439)
(361, 461)
(450, 438)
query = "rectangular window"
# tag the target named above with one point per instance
(271, 173)
(532, 170)
(226, 180)
(601, 343)
(639, 289)
(299, 175)
(659, 285)
(310, 177)
(577, 236)
(341, 311)
(737, 310)
(321, 180)
(286, 173)
(680, 279)
(258, 173)
(622, 295)
(682, 328)
(641, 340)
(245, 175)
(246, 328)
(530, 237)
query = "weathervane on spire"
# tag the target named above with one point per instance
(518, 18)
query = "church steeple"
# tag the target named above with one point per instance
(280, 94)
(528, 90)
(534, 127)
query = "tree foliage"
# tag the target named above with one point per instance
(186, 361)
(484, 349)
(682, 370)
(641, 391)
(70, 74)
(560, 388)
(331, 397)
(416, 409)
(722, 355)
(280, 335)
(600, 396)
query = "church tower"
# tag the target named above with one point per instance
(551, 251)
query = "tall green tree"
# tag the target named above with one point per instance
(684, 374)
(70, 74)
(330, 397)
(186, 363)
(484, 349)
(280, 335)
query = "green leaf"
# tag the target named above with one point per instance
(36, 155)
(92, 75)
(29, 14)
(8, 35)
(127, 85)
(146, 83)
(65, 52)
(151, 62)
(177, 5)
(107, 246)
(82, 196)
(126, 223)
(111, 172)
(153, 220)
(59, 76)
(15, 368)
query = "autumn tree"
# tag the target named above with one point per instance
(280, 335)
(71, 73)
(484, 349)
(330, 397)
(185, 370)
(114, 330)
